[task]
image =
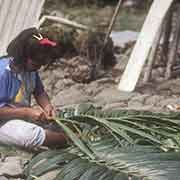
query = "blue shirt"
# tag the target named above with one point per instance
(17, 88)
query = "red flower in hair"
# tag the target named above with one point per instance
(44, 41)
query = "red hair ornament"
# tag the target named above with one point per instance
(44, 41)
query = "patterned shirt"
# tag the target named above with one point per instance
(17, 88)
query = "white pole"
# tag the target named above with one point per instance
(143, 45)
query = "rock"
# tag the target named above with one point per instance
(62, 84)
(11, 166)
(111, 95)
(135, 105)
(44, 74)
(138, 107)
(113, 106)
(69, 96)
(58, 73)
(106, 80)
(140, 98)
(165, 84)
(166, 93)
(68, 82)
(167, 101)
(93, 88)
(153, 100)
(175, 88)
(159, 72)
(3, 178)
(78, 69)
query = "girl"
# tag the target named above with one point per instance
(19, 80)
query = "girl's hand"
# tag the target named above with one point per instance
(50, 111)
(37, 114)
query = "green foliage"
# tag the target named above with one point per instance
(98, 14)
(114, 145)
(85, 2)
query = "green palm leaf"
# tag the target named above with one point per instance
(140, 161)
(115, 145)
(76, 140)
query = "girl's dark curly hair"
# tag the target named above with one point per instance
(25, 46)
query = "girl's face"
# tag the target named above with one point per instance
(32, 65)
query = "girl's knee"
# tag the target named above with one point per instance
(21, 133)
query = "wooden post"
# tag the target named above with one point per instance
(152, 56)
(174, 46)
(101, 54)
(113, 21)
(167, 34)
(143, 45)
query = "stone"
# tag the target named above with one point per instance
(114, 106)
(140, 108)
(153, 100)
(69, 96)
(165, 85)
(112, 95)
(167, 101)
(68, 82)
(3, 178)
(11, 166)
(105, 80)
(140, 98)
(175, 88)
(135, 104)
(60, 85)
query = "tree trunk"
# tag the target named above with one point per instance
(174, 47)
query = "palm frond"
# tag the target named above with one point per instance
(114, 145)
(137, 161)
